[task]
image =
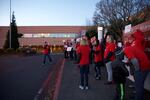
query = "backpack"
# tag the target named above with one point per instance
(120, 72)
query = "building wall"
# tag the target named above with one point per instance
(3, 31)
(41, 30)
(40, 41)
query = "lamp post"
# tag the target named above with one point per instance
(10, 28)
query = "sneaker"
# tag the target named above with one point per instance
(131, 86)
(97, 78)
(86, 87)
(81, 87)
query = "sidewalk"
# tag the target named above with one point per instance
(70, 81)
(68, 85)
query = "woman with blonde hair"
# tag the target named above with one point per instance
(83, 52)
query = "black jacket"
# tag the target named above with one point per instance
(120, 72)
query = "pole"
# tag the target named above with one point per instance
(10, 28)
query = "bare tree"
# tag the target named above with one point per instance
(115, 14)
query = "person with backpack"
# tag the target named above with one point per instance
(120, 73)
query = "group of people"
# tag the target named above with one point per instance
(70, 49)
(115, 56)
(115, 53)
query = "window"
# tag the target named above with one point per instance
(51, 35)
(27, 35)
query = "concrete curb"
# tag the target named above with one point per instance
(58, 82)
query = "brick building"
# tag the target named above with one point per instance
(37, 35)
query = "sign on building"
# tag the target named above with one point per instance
(127, 28)
(100, 32)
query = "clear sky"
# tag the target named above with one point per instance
(48, 12)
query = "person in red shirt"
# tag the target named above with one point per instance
(83, 52)
(141, 65)
(109, 56)
(46, 53)
(97, 59)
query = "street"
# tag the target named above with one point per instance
(21, 77)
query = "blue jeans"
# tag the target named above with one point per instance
(109, 71)
(49, 57)
(84, 70)
(97, 68)
(140, 77)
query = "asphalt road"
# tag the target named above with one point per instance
(22, 77)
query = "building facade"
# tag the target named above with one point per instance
(37, 35)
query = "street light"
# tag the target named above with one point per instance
(10, 28)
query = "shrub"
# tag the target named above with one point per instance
(1, 51)
(20, 50)
(9, 50)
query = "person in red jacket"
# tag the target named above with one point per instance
(97, 59)
(141, 65)
(46, 53)
(109, 56)
(83, 52)
(138, 40)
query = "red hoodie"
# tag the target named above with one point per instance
(84, 50)
(46, 49)
(134, 52)
(110, 47)
(139, 40)
(98, 56)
